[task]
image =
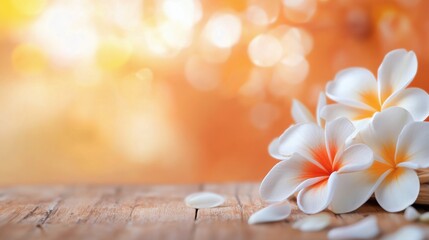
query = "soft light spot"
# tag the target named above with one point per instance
(265, 50)
(223, 30)
(174, 36)
(201, 75)
(289, 74)
(299, 11)
(66, 32)
(117, 14)
(155, 43)
(257, 16)
(112, 54)
(212, 53)
(183, 12)
(297, 41)
(293, 43)
(261, 12)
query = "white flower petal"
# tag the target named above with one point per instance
(399, 190)
(273, 213)
(286, 178)
(413, 145)
(336, 134)
(273, 150)
(317, 197)
(369, 137)
(408, 233)
(396, 72)
(357, 157)
(301, 138)
(364, 229)
(355, 87)
(360, 124)
(389, 123)
(204, 200)
(424, 217)
(414, 100)
(411, 214)
(333, 111)
(382, 134)
(321, 103)
(300, 113)
(313, 223)
(363, 184)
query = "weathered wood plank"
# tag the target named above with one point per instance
(153, 212)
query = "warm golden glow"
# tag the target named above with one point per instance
(177, 90)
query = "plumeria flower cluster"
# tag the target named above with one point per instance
(369, 141)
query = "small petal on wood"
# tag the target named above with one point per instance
(273, 213)
(411, 214)
(204, 200)
(364, 229)
(313, 223)
(424, 217)
(407, 232)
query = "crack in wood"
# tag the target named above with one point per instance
(199, 189)
(196, 214)
(156, 213)
(52, 208)
(130, 216)
(29, 214)
(240, 205)
(92, 210)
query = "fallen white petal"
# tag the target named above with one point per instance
(364, 229)
(424, 217)
(273, 213)
(313, 223)
(411, 214)
(204, 200)
(407, 232)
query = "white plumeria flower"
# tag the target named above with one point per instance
(318, 157)
(400, 146)
(300, 114)
(359, 95)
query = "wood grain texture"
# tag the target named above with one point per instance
(154, 212)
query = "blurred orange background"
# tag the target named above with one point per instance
(176, 91)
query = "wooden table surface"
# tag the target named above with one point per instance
(153, 212)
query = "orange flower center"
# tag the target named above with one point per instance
(370, 99)
(326, 161)
(391, 160)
